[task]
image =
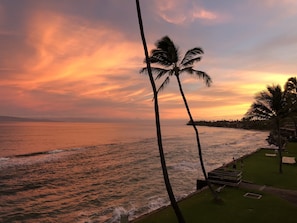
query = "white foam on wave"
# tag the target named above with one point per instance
(3, 159)
(186, 166)
(156, 203)
(56, 151)
(41, 157)
(119, 214)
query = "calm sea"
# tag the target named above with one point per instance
(94, 172)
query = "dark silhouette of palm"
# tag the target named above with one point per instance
(157, 119)
(168, 57)
(291, 85)
(291, 99)
(270, 105)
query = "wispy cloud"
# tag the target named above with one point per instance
(71, 59)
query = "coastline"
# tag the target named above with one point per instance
(220, 146)
(260, 125)
(198, 190)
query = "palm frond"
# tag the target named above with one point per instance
(143, 70)
(269, 104)
(199, 74)
(160, 58)
(160, 72)
(277, 97)
(164, 43)
(256, 113)
(291, 85)
(170, 51)
(163, 85)
(191, 61)
(261, 109)
(191, 56)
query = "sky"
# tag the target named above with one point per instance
(81, 58)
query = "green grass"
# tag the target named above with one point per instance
(257, 168)
(235, 208)
(264, 170)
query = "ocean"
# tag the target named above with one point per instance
(94, 172)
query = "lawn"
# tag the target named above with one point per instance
(235, 208)
(258, 169)
(264, 170)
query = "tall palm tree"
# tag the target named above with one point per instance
(291, 99)
(270, 104)
(168, 57)
(158, 126)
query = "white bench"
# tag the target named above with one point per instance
(288, 160)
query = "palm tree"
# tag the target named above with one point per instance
(270, 105)
(291, 85)
(158, 126)
(168, 57)
(291, 99)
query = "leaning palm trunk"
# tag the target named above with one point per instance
(158, 127)
(216, 197)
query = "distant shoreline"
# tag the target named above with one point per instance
(247, 125)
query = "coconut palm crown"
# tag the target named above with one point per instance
(167, 55)
(270, 105)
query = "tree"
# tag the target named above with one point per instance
(158, 126)
(167, 56)
(291, 99)
(270, 104)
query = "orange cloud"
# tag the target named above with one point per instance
(81, 65)
(85, 52)
(77, 50)
(76, 60)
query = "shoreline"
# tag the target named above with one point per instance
(198, 190)
(259, 125)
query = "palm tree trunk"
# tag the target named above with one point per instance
(216, 197)
(158, 126)
(279, 146)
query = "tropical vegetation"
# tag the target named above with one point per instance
(275, 105)
(239, 124)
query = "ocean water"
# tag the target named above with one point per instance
(94, 172)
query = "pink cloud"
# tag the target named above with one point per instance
(185, 11)
(203, 14)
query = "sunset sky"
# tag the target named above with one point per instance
(81, 58)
